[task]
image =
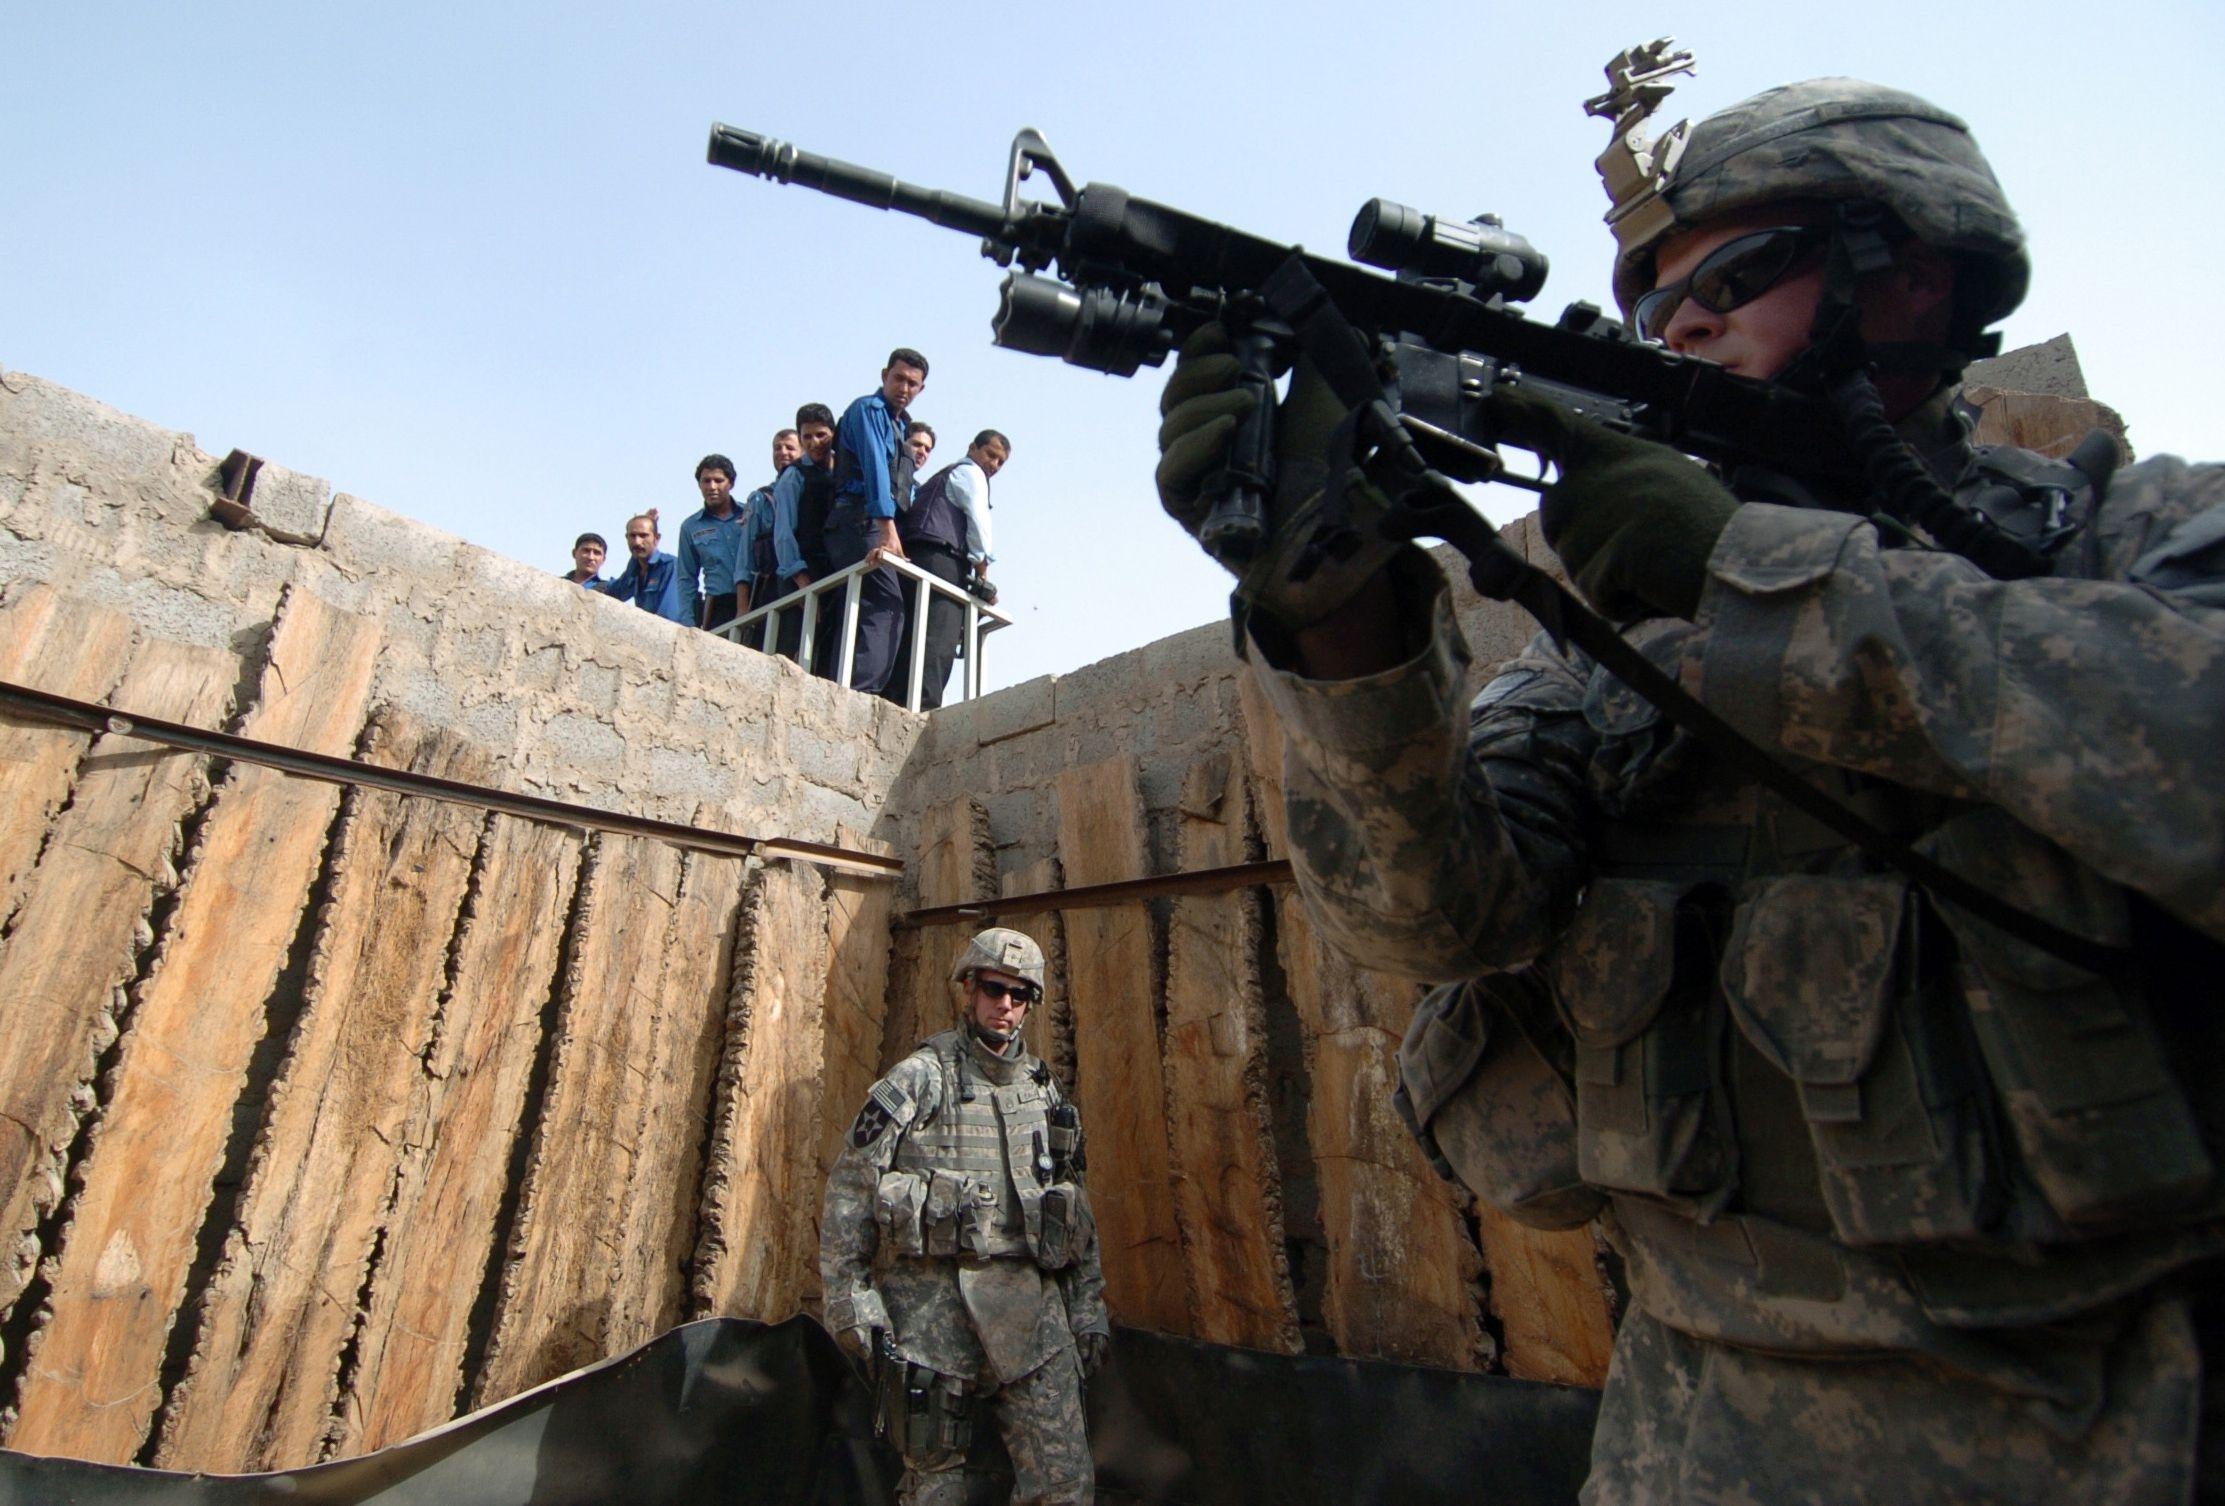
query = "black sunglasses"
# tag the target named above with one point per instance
(1024, 992)
(1731, 276)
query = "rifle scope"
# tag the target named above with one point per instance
(1479, 252)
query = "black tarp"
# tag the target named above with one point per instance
(750, 1414)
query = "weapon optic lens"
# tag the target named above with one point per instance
(1479, 252)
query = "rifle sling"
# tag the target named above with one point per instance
(1338, 352)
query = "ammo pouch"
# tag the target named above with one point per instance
(1484, 1088)
(1066, 1141)
(1061, 1226)
(898, 1203)
(2104, 1125)
(1842, 984)
(923, 1414)
(1634, 974)
(958, 1213)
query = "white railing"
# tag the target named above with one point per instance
(981, 620)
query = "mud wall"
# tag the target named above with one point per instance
(326, 1114)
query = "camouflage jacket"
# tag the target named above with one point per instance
(955, 1215)
(1822, 1113)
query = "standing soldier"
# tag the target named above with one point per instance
(1914, 1206)
(957, 1251)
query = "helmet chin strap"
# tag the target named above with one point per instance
(1858, 247)
(1842, 366)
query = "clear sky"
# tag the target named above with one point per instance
(467, 261)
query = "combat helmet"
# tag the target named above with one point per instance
(1004, 949)
(1830, 140)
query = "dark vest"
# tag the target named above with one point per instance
(935, 517)
(763, 552)
(811, 517)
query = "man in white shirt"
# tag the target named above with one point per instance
(946, 532)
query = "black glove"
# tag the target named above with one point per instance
(1633, 521)
(1092, 1348)
(1201, 408)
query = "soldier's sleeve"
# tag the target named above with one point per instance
(2088, 710)
(1082, 1284)
(1420, 851)
(848, 1235)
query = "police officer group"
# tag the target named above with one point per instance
(844, 492)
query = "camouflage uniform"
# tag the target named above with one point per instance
(1907, 1206)
(935, 1228)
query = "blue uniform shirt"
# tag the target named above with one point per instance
(787, 495)
(655, 588)
(757, 528)
(710, 550)
(865, 445)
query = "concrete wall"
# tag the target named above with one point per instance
(578, 696)
(324, 1116)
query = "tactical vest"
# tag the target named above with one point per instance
(934, 517)
(1832, 1114)
(811, 517)
(763, 552)
(981, 1175)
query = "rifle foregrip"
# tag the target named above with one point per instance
(1236, 527)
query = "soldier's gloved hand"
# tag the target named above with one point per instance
(1633, 521)
(1200, 410)
(858, 1340)
(1093, 1349)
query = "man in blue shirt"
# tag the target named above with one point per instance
(711, 567)
(800, 502)
(587, 561)
(759, 582)
(872, 475)
(651, 579)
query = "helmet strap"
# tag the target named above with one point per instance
(1858, 246)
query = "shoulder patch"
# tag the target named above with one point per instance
(887, 1104)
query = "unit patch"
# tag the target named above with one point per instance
(887, 1104)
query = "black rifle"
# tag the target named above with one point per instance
(1134, 278)
(1417, 357)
